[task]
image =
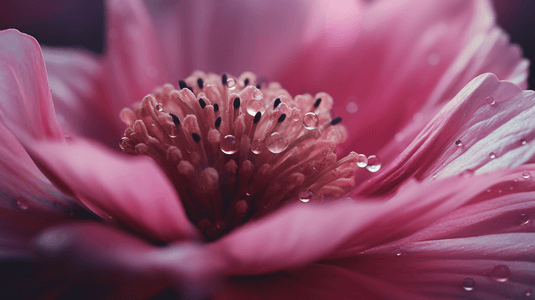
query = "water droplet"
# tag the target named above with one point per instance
(500, 273)
(374, 164)
(276, 143)
(173, 132)
(229, 144)
(22, 203)
(254, 106)
(352, 107)
(528, 293)
(398, 254)
(159, 107)
(231, 83)
(490, 101)
(305, 196)
(526, 174)
(257, 146)
(523, 219)
(311, 121)
(492, 155)
(123, 142)
(469, 284)
(523, 142)
(362, 161)
(467, 173)
(459, 143)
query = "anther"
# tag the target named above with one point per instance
(277, 103)
(196, 137)
(258, 86)
(236, 103)
(216, 107)
(281, 118)
(175, 119)
(202, 102)
(257, 117)
(224, 79)
(182, 84)
(217, 122)
(190, 88)
(336, 120)
(200, 83)
(246, 81)
(317, 103)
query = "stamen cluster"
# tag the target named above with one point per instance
(236, 149)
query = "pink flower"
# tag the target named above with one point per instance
(450, 213)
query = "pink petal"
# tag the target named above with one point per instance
(132, 66)
(74, 76)
(25, 101)
(467, 135)
(116, 265)
(133, 191)
(406, 53)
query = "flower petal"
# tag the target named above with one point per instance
(81, 260)
(74, 76)
(467, 135)
(25, 101)
(132, 66)
(133, 191)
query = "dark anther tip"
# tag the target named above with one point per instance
(317, 103)
(258, 86)
(236, 102)
(257, 117)
(216, 107)
(175, 119)
(217, 122)
(202, 103)
(182, 84)
(200, 82)
(196, 137)
(281, 118)
(277, 102)
(336, 120)
(246, 81)
(190, 88)
(224, 79)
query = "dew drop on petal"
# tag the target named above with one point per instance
(500, 273)
(490, 101)
(352, 107)
(469, 284)
(276, 143)
(492, 155)
(159, 107)
(526, 174)
(374, 164)
(305, 196)
(523, 142)
(310, 121)
(257, 146)
(362, 161)
(528, 293)
(22, 203)
(523, 219)
(459, 143)
(229, 144)
(254, 106)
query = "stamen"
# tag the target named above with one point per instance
(336, 120)
(317, 103)
(216, 107)
(182, 84)
(224, 79)
(175, 119)
(246, 81)
(200, 83)
(276, 103)
(202, 103)
(196, 137)
(218, 122)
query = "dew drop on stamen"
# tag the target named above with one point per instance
(374, 164)
(276, 143)
(311, 121)
(254, 106)
(231, 83)
(490, 101)
(122, 142)
(159, 107)
(305, 196)
(469, 284)
(492, 155)
(229, 144)
(526, 174)
(173, 132)
(500, 273)
(257, 146)
(362, 161)
(22, 203)
(459, 143)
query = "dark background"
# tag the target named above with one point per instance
(81, 22)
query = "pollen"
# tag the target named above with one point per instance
(237, 149)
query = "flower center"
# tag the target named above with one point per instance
(236, 149)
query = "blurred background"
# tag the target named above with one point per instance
(81, 23)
